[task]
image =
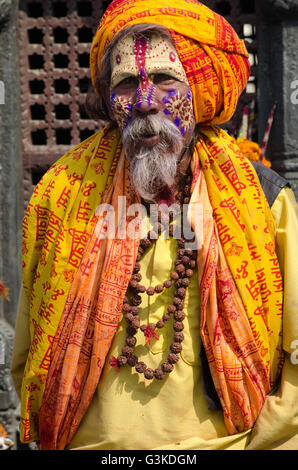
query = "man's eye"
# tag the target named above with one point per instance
(129, 81)
(163, 78)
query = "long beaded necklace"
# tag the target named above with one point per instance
(185, 264)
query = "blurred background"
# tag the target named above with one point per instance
(44, 79)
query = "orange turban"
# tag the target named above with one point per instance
(214, 58)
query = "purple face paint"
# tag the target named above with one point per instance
(180, 108)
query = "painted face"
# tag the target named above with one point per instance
(148, 77)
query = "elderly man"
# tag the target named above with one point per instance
(145, 341)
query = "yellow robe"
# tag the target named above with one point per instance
(128, 412)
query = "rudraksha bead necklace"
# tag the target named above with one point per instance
(185, 264)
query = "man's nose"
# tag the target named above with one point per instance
(145, 101)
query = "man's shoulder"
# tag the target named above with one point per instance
(78, 156)
(272, 183)
(68, 172)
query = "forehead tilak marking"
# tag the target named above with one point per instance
(141, 46)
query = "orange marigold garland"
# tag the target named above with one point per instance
(4, 292)
(252, 151)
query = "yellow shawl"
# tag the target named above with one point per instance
(240, 285)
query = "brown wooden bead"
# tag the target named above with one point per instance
(125, 300)
(189, 272)
(192, 264)
(188, 252)
(160, 324)
(159, 288)
(150, 291)
(176, 301)
(140, 250)
(129, 317)
(127, 350)
(171, 308)
(145, 243)
(181, 242)
(159, 374)
(131, 331)
(135, 323)
(186, 190)
(186, 200)
(133, 284)
(166, 317)
(139, 256)
(167, 367)
(181, 252)
(176, 347)
(126, 308)
(178, 261)
(185, 260)
(136, 277)
(185, 282)
(178, 336)
(149, 374)
(167, 284)
(179, 315)
(180, 268)
(140, 288)
(135, 310)
(136, 300)
(131, 341)
(179, 195)
(173, 358)
(132, 360)
(122, 360)
(181, 292)
(140, 367)
(178, 326)
(137, 268)
(178, 283)
(174, 275)
(143, 328)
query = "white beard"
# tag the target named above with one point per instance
(152, 168)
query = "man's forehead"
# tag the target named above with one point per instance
(156, 54)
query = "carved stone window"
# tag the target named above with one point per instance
(55, 39)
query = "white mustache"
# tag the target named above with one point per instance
(170, 137)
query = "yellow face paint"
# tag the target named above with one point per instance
(143, 57)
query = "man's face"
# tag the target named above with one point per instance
(151, 102)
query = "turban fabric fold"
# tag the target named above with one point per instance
(214, 58)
